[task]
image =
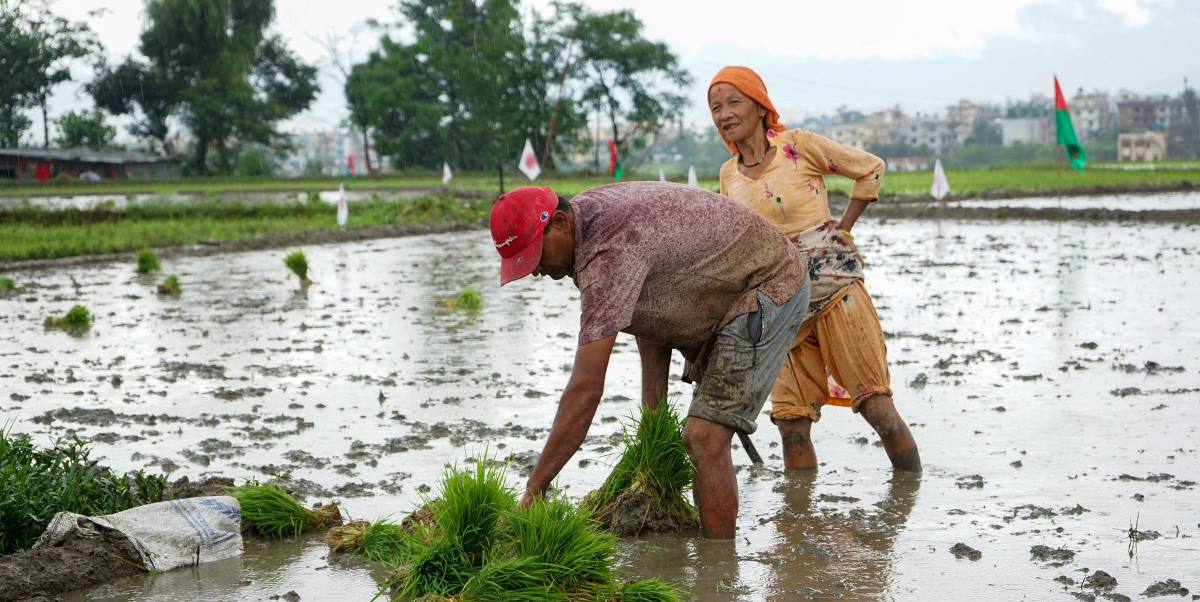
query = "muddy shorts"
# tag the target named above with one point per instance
(744, 361)
(846, 339)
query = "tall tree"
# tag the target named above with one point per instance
(221, 75)
(633, 80)
(60, 42)
(84, 128)
(18, 51)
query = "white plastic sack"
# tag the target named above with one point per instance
(167, 535)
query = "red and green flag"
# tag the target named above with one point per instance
(614, 161)
(1066, 131)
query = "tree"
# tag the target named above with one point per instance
(18, 50)
(215, 68)
(984, 132)
(59, 42)
(85, 128)
(632, 79)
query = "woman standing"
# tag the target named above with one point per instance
(780, 174)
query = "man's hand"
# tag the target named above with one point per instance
(530, 497)
(575, 412)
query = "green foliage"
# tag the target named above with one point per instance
(213, 65)
(77, 319)
(253, 163)
(86, 129)
(275, 513)
(653, 463)
(469, 301)
(147, 261)
(298, 264)
(7, 284)
(36, 483)
(473, 543)
(170, 286)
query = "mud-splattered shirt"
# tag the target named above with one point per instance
(791, 192)
(672, 263)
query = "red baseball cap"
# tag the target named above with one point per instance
(518, 220)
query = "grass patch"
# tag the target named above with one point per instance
(646, 490)
(468, 301)
(77, 319)
(472, 542)
(147, 262)
(36, 233)
(170, 286)
(36, 483)
(7, 284)
(298, 264)
(275, 513)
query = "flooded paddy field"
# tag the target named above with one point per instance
(1050, 372)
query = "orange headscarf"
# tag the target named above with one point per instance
(749, 83)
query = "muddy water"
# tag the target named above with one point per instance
(1115, 202)
(1050, 373)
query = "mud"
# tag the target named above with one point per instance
(76, 564)
(375, 386)
(636, 513)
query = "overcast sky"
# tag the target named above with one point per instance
(814, 56)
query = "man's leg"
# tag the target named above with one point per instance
(898, 442)
(715, 491)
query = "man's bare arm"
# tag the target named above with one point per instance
(575, 412)
(656, 364)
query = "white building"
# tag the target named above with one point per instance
(1025, 130)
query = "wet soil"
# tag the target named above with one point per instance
(371, 390)
(636, 513)
(76, 564)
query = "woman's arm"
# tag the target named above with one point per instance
(864, 168)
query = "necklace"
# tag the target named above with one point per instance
(760, 159)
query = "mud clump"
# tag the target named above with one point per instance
(1052, 556)
(1170, 587)
(962, 550)
(76, 564)
(636, 512)
(1100, 581)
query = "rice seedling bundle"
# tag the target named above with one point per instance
(298, 264)
(77, 319)
(646, 491)
(147, 262)
(170, 286)
(472, 543)
(468, 301)
(7, 284)
(275, 513)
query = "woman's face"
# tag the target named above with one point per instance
(736, 115)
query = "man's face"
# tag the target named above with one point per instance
(558, 248)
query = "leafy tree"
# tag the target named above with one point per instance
(253, 163)
(984, 132)
(84, 128)
(60, 41)
(17, 51)
(219, 73)
(633, 80)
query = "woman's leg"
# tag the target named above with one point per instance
(793, 409)
(880, 412)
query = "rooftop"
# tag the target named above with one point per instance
(85, 155)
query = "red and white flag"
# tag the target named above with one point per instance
(529, 163)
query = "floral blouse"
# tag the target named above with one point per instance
(791, 192)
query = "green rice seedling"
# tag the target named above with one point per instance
(38, 482)
(383, 542)
(649, 590)
(564, 539)
(170, 286)
(298, 264)
(147, 261)
(7, 284)
(77, 319)
(646, 490)
(275, 513)
(469, 301)
(439, 568)
(470, 508)
(512, 580)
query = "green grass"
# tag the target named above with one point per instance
(170, 286)
(472, 542)
(147, 262)
(275, 513)
(38, 482)
(298, 264)
(77, 319)
(7, 284)
(36, 233)
(653, 466)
